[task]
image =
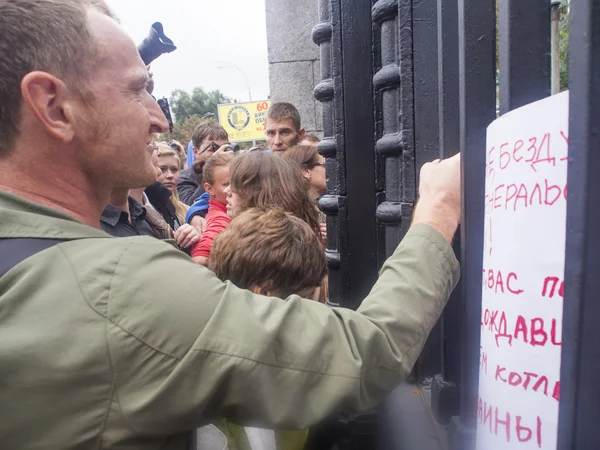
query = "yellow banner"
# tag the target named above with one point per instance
(244, 121)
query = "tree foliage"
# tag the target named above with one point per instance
(199, 103)
(183, 132)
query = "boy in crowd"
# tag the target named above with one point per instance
(283, 128)
(271, 253)
(276, 254)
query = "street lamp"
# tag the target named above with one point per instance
(226, 64)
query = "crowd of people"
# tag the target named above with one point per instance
(141, 292)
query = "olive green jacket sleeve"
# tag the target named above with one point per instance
(186, 348)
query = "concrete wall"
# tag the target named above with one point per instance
(294, 67)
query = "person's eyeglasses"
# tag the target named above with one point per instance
(317, 164)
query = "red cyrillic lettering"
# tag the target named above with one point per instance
(480, 409)
(538, 331)
(490, 279)
(565, 191)
(502, 331)
(561, 289)
(537, 188)
(499, 282)
(513, 291)
(566, 139)
(520, 429)
(499, 371)
(548, 189)
(556, 392)
(486, 317)
(491, 161)
(518, 146)
(506, 424)
(553, 332)
(543, 380)
(514, 379)
(504, 156)
(522, 194)
(493, 320)
(532, 148)
(521, 327)
(484, 362)
(539, 432)
(548, 158)
(509, 196)
(487, 415)
(547, 281)
(528, 376)
(497, 197)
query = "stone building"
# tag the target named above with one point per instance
(294, 68)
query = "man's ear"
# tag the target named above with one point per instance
(306, 173)
(195, 151)
(51, 103)
(301, 133)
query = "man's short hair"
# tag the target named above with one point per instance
(285, 111)
(271, 249)
(210, 129)
(47, 35)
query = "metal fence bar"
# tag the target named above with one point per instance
(394, 84)
(477, 61)
(524, 28)
(426, 106)
(356, 31)
(579, 413)
(327, 34)
(444, 391)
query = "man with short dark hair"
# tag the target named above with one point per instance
(124, 342)
(283, 128)
(208, 137)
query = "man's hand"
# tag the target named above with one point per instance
(186, 236)
(439, 196)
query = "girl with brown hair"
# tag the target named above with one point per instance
(264, 180)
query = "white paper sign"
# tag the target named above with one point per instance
(521, 322)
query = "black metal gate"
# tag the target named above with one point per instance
(408, 81)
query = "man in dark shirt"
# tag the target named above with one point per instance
(128, 222)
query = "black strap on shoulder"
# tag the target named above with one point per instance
(15, 250)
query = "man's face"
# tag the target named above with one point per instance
(208, 147)
(282, 134)
(114, 127)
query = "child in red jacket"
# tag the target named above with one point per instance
(215, 175)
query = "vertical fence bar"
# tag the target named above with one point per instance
(524, 28)
(477, 101)
(327, 34)
(444, 398)
(426, 106)
(579, 413)
(394, 84)
(356, 31)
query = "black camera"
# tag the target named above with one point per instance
(151, 48)
(155, 44)
(232, 147)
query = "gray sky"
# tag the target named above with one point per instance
(204, 31)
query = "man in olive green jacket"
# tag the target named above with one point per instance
(123, 342)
